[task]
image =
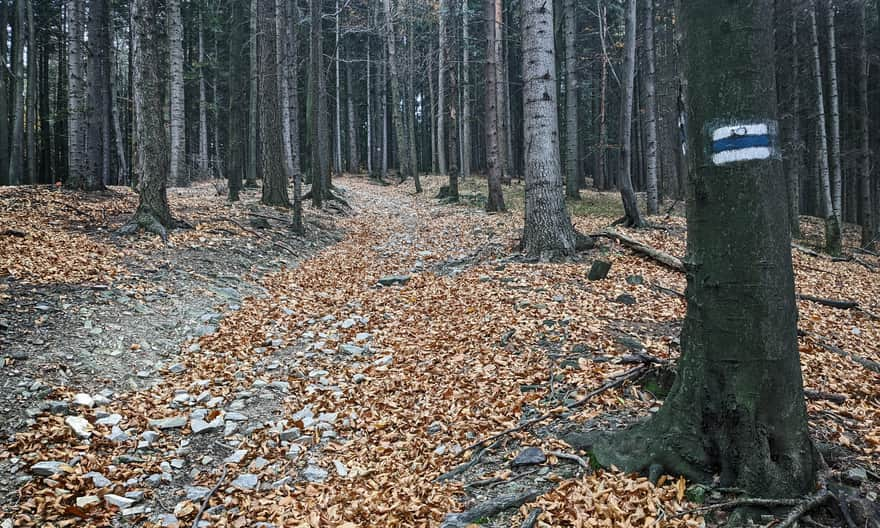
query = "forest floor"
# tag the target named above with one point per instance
(330, 379)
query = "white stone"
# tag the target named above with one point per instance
(79, 425)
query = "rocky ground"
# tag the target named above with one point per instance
(245, 377)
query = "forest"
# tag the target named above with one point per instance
(454, 263)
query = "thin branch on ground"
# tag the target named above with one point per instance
(207, 499)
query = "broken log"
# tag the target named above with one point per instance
(489, 508)
(826, 396)
(639, 247)
(822, 342)
(14, 233)
(842, 304)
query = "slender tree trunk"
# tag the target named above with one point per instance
(383, 98)
(736, 414)
(410, 103)
(4, 90)
(505, 152)
(354, 161)
(204, 155)
(795, 145)
(548, 232)
(253, 99)
(466, 92)
(496, 195)
(178, 175)
(337, 133)
(217, 165)
(834, 98)
(651, 113)
(453, 116)
(107, 99)
(832, 221)
(46, 147)
(293, 93)
(396, 97)
(153, 212)
(273, 168)
(31, 113)
(76, 158)
(572, 159)
(435, 154)
(369, 113)
(868, 234)
(237, 99)
(283, 68)
(318, 133)
(16, 172)
(601, 182)
(624, 180)
(95, 104)
(441, 89)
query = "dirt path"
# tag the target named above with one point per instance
(334, 393)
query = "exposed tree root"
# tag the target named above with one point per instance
(489, 508)
(146, 221)
(532, 520)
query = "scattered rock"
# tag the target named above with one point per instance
(391, 280)
(87, 501)
(236, 456)
(83, 400)
(528, 457)
(79, 425)
(626, 299)
(58, 407)
(113, 419)
(358, 378)
(383, 361)
(599, 270)
(49, 468)
(341, 468)
(98, 480)
(200, 426)
(314, 473)
(353, 350)
(177, 368)
(635, 280)
(195, 493)
(856, 475)
(246, 482)
(118, 501)
(174, 422)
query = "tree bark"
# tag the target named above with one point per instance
(369, 112)
(651, 113)
(548, 232)
(441, 89)
(466, 92)
(435, 156)
(400, 134)
(178, 175)
(601, 179)
(354, 159)
(31, 114)
(572, 158)
(76, 158)
(337, 132)
(495, 201)
(795, 143)
(4, 90)
(736, 412)
(16, 157)
(236, 100)
(318, 133)
(253, 99)
(868, 234)
(410, 104)
(274, 171)
(834, 101)
(283, 68)
(505, 150)
(204, 155)
(832, 221)
(624, 180)
(95, 103)
(153, 213)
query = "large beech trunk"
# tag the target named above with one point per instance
(736, 410)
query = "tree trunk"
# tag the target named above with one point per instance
(572, 161)
(466, 92)
(283, 68)
(253, 99)
(147, 38)
(403, 154)
(369, 114)
(76, 158)
(435, 151)
(795, 143)
(337, 132)
(383, 98)
(31, 114)
(273, 168)
(601, 179)
(868, 234)
(45, 117)
(4, 90)
(354, 159)
(832, 221)
(292, 35)
(624, 180)
(441, 89)
(548, 232)
(736, 415)
(204, 155)
(496, 195)
(95, 104)
(410, 103)
(318, 133)
(505, 152)
(834, 101)
(237, 100)
(651, 113)
(178, 175)
(16, 157)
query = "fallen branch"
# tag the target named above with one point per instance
(489, 508)
(467, 465)
(616, 382)
(532, 519)
(805, 506)
(833, 303)
(14, 232)
(805, 250)
(639, 247)
(667, 291)
(738, 503)
(826, 396)
(285, 247)
(207, 499)
(573, 458)
(237, 223)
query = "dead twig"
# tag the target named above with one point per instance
(573, 458)
(207, 499)
(805, 506)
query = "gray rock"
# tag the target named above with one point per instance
(529, 457)
(282, 386)
(113, 419)
(79, 425)
(390, 280)
(129, 459)
(236, 456)
(195, 493)
(99, 480)
(290, 434)
(177, 368)
(359, 378)
(85, 502)
(177, 463)
(363, 336)
(635, 280)
(58, 407)
(314, 473)
(235, 417)
(118, 501)
(201, 426)
(174, 422)
(118, 435)
(435, 427)
(136, 495)
(341, 468)
(49, 468)
(856, 474)
(83, 400)
(135, 510)
(258, 464)
(383, 361)
(626, 299)
(167, 519)
(281, 483)
(348, 323)
(353, 350)
(154, 480)
(599, 270)
(246, 482)
(294, 451)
